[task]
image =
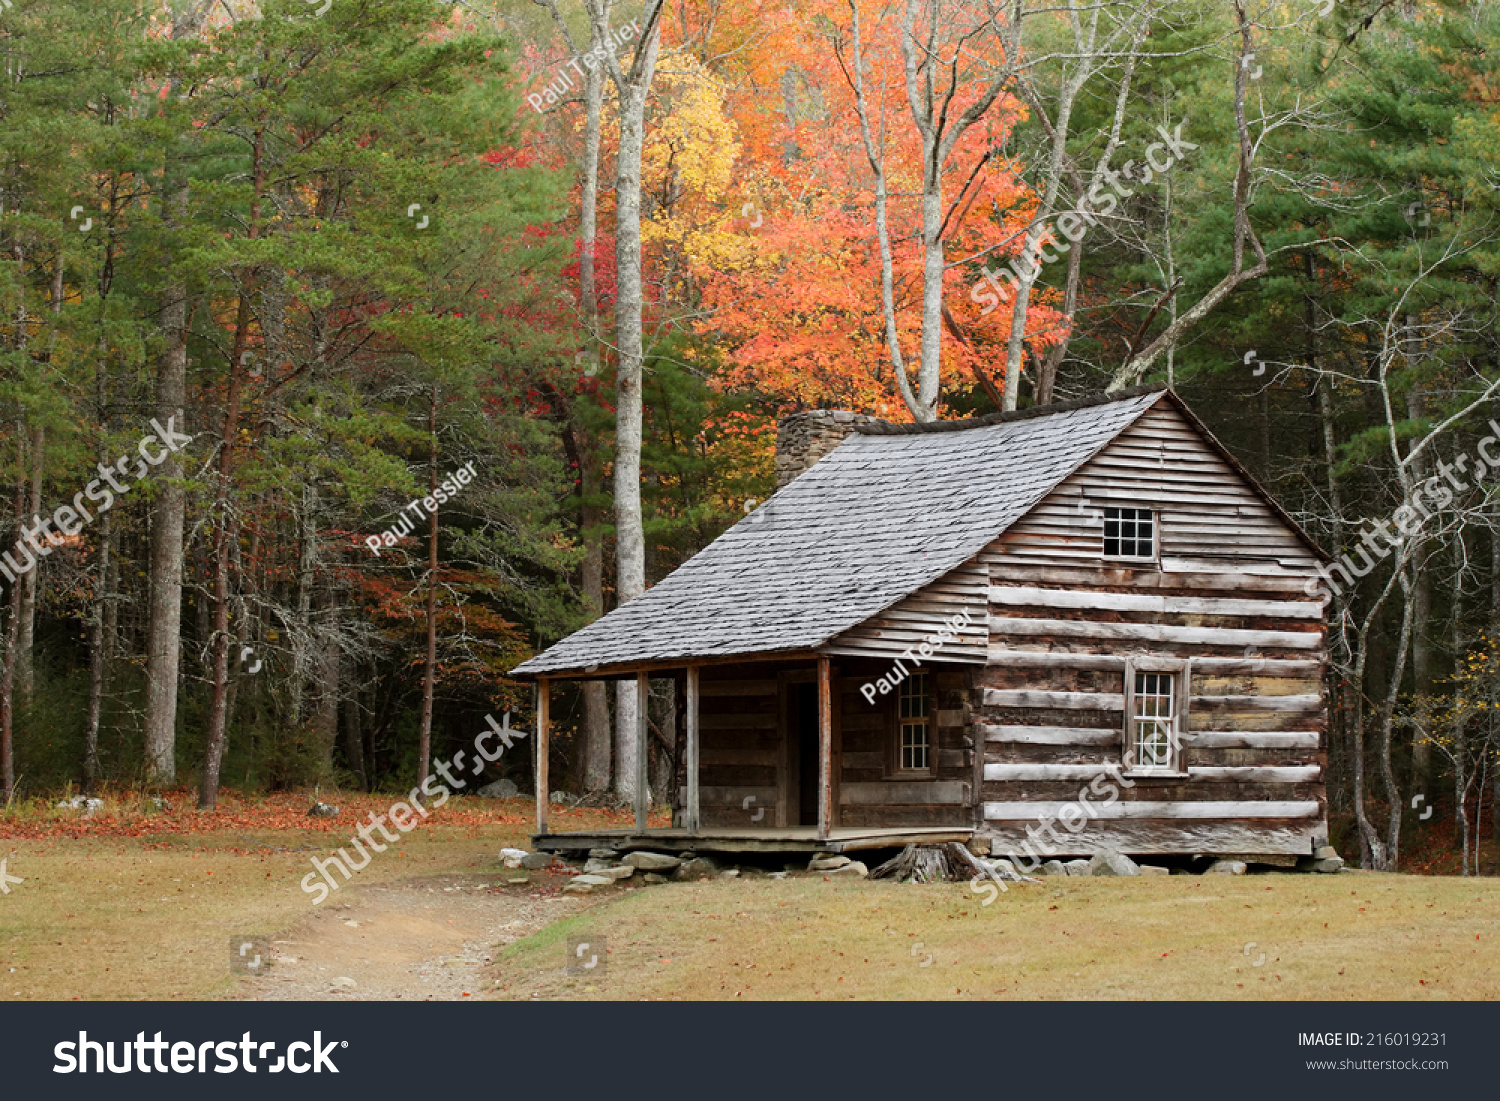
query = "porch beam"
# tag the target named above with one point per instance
(642, 749)
(540, 748)
(694, 821)
(825, 750)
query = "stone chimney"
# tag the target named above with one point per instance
(804, 438)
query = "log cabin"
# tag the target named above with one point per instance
(1083, 625)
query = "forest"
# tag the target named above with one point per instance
(352, 351)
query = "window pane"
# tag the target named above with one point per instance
(914, 696)
(915, 747)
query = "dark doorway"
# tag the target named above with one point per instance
(802, 753)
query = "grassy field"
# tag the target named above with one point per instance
(121, 919)
(128, 911)
(1350, 936)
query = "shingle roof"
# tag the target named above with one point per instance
(888, 511)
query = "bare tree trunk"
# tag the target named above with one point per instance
(595, 694)
(596, 732)
(8, 669)
(99, 620)
(26, 635)
(164, 616)
(429, 667)
(354, 741)
(218, 712)
(325, 719)
(630, 540)
(1394, 807)
(303, 646)
(876, 157)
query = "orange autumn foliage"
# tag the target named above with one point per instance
(796, 299)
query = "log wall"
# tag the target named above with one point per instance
(870, 792)
(740, 748)
(1226, 595)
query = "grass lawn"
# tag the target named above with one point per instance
(115, 919)
(1349, 936)
(144, 905)
(141, 904)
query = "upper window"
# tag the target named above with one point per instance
(1129, 533)
(914, 750)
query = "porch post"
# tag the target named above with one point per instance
(825, 750)
(543, 737)
(642, 750)
(693, 821)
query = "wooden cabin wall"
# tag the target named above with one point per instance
(738, 715)
(869, 793)
(1229, 595)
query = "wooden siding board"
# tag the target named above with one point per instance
(910, 622)
(1146, 838)
(1206, 809)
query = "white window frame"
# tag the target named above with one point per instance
(1181, 672)
(1155, 534)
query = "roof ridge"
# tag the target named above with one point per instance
(894, 428)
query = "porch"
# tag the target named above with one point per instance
(784, 753)
(771, 839)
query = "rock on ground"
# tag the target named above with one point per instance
(653, 862)
(1151, 869)
(1078, 867)
(850, 868)
(1052, 867)
(1325, 865)
(827, 863)
(1227, 867)
(500, 789)
(1112, 862)
(699, 867)
(587, 884)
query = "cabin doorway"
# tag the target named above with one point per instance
(802, 753)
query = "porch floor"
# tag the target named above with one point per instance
(800, 839)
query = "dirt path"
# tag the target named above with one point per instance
(430, 939)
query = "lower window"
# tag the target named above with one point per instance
(1153, 716)
(914, 750)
